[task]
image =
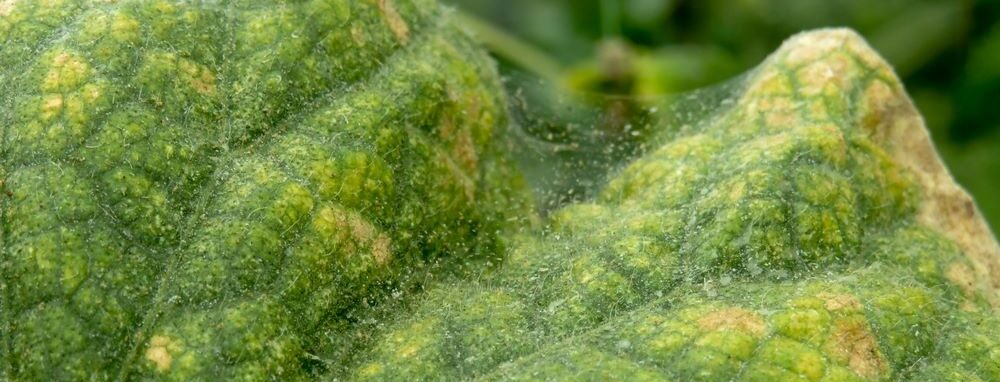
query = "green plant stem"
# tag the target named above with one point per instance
(611, 18)
(511, 48)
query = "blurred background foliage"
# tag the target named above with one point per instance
(946, 51)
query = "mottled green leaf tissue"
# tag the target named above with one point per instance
(202, 189)
(323, 190)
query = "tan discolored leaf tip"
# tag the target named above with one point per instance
(892, 120)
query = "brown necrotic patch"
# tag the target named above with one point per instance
(852, 343)
(354, 233)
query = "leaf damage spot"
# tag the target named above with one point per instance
(355, 233)
(395, 21)
(962, 275)
(124, 28)
(358, 35)
(158, 352)
(52, 106)
(854, 344)
(839, 302)
(67, 72)
(7, 7)
(737, 319)
(200, 78)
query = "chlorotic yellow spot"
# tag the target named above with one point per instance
(51, 106)
(67, 72)
(803, 53)
(814, 77)
(354, 233)
(124, 28)
(853, 343)
(778, 111)
(409, 350)
(158, 352)
(736, 319)
(768, 83)
(738, 191)
(200, 78)
(836, 302)
(91, 93)
(395, 21)
(358, 35)
(7, 7)
(371, 369)
(818, 109)
(44, 257)
(165, 7)
(782, 103)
